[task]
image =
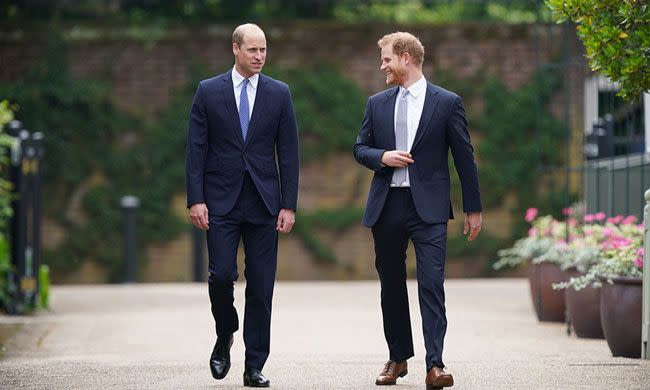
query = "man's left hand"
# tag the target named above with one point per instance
(473, 222)
(286, 219)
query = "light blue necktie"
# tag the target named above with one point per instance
(243, 109)
(401, 135)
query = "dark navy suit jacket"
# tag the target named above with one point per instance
(217, 156)
(442, 127)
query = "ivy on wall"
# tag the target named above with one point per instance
(327, 107)
(516, 141)
(87, 147)
(90, 144)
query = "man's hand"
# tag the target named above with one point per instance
(286, 219)
(396, 158)
(199, 216)
(473, 223)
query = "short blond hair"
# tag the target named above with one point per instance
(404, 42)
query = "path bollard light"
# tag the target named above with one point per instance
(130, 206)
(36, 153)
(645, 319)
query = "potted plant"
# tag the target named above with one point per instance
(543, 269)
(618, 272)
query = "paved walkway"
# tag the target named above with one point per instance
(325, 335)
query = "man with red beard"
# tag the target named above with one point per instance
(405, 138)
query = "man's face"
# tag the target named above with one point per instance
(251, 55)
(393, 66)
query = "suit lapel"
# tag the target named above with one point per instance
(429, 109)
(388, 113)
(258, 107)
(229, 97)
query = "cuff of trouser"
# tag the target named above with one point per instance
(400, 358)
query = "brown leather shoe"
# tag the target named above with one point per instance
(437, 378)
(392, 371)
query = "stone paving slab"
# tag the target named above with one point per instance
(325, 335)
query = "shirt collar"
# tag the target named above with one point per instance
(416, 88)
(237, 79)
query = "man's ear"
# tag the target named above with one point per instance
(406, 56)
(235, 48)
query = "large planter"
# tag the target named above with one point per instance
(620, 314)
(583, 308)
(548, 303)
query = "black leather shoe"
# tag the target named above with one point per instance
(254, 378)
(220, 358)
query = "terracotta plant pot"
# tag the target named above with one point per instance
(583, 308)
(620, 314)
(549, 304)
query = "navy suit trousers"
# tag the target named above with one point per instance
(251, 221)
(399, 222)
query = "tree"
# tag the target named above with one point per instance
(616, 35)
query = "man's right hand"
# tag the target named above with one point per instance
(199, 216)
(396, 158)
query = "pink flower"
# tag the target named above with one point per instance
(615, 220)
(589, 232)
(607, 232)
(629, 220)
(639, 252)
(639, 262)
(589, 218)
(532, 232)
(599, 216)
(531, 213)
(567, 211)
(573, 222)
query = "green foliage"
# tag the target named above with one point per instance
(510, 148)
(5, 269)
(44, 286)
(438, 12)
(616, 35)
(327, 106)
(514, 140)
(337, 220)
(6, 116)
(147, 11)
(354, 11)
(86, 146)
(92, 145)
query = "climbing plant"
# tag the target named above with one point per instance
(97, 153)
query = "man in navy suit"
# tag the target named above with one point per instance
(405, 137)
(240, 122)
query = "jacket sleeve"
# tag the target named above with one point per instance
(196, 150)
(461, 148)
(365, 151)
(288, 151)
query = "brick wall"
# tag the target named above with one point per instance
(145, 73)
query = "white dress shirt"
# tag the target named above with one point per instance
(251, 90)
(415, 98)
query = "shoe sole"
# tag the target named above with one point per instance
(440, 386)
(248, 384)
(401, 375)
